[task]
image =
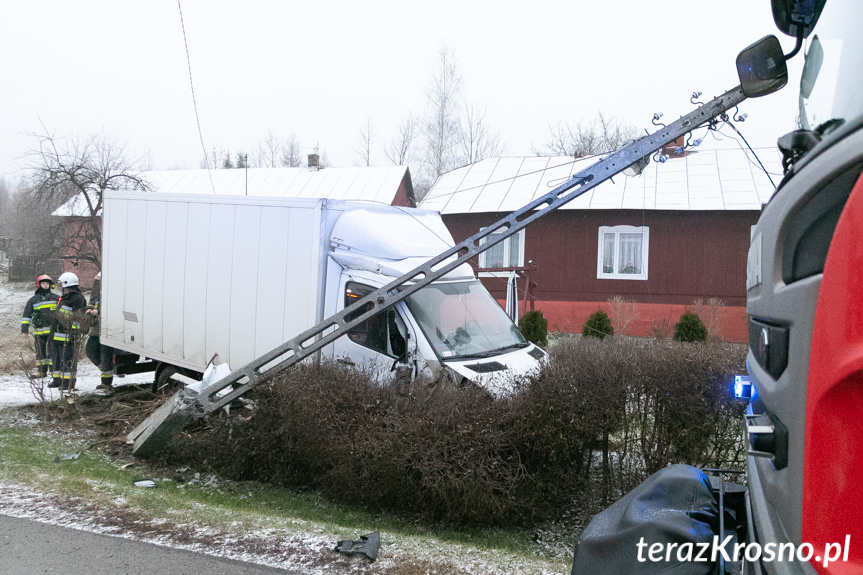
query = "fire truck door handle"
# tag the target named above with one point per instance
(767, 438)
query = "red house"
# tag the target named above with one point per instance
(673, 235)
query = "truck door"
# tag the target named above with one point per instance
(379, 342)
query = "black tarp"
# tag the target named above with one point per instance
(673, 506)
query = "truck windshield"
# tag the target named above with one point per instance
(462, 320)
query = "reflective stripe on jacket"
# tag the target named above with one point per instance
(39, 312)
(70, 315)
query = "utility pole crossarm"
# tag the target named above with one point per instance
(321, 335)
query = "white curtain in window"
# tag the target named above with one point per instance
(629, 255)
(494, 256)
(513, 250)
(608, 253)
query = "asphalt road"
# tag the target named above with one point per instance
(28, 547)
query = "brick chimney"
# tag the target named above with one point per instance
(314, 161)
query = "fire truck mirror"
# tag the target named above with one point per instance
(761, 68)
(792, 15)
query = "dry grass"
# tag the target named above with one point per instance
(623, 311)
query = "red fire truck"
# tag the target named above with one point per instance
(805, 303)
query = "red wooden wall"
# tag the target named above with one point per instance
(692, 255)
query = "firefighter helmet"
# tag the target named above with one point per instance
(44, 278)
(68, 279)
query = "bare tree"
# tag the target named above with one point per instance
(216, 159)
(441, 122)
(453, 132)
(273, 152)
(5, 207)
(476, 139)
(34, 232)
(400, 148)
(324, 160)
(363, 146)
(599, 135)
(710, 313)
(291, 155)
(82, 168)
(268, 152)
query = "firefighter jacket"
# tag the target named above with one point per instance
(94, 305)
(70, 323)
(39, 312)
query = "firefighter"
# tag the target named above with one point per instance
(39, 312)
(67, 333)
(102, 356)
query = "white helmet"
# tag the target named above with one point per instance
(68, 279)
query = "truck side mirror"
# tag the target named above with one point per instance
(796, 18)
(761, 68)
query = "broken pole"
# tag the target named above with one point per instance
(156, 432)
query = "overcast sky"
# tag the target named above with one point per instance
(319, 69)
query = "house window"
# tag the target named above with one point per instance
(507, 254)
(622, 253)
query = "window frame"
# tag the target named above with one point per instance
(617, 230)
(506, 253)
(365, 328)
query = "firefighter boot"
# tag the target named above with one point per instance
(107, 381)
(69, 384)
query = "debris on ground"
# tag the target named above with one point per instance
(367, 545)
(68, 457)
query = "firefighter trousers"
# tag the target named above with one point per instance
(65, 357)
(43, 356)
(102, 356)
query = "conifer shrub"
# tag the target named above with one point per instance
(534, 327)
(690, 328)
(598, 325)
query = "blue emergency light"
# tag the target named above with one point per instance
(743, 388)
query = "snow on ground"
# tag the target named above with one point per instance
(296, 545)
(15, 389)
(18, 390)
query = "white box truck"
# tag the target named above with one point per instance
(188, 280)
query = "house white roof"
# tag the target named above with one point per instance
(370, 184)
(701, 180)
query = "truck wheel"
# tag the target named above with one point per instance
(165, 386)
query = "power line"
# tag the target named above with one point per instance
(194, 101)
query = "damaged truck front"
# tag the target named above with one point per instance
(191, 280)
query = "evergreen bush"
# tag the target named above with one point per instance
(598, 325)
(690, 328)
(534, 327)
